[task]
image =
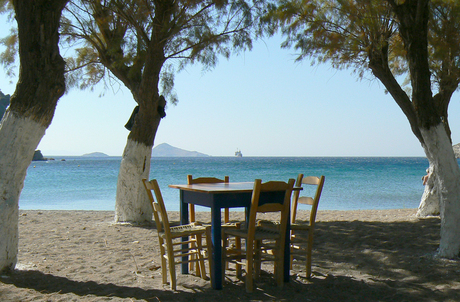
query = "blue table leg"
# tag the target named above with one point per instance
(216, 236)
(183, 221)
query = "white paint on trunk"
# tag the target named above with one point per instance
(429, 204)
(438, 149)
(132, 204)
(18, 137)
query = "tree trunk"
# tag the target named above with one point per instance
(18, 139)
(429, 204)
(441, 156)
(132, 203)
(41, 83)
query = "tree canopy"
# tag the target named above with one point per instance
(116, 36)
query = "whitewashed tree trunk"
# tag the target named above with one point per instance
(439, 151)
(429, 204)
(18, 137)
(132, 203)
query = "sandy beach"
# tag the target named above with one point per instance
(370, 255)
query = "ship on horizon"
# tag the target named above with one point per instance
(238, 153)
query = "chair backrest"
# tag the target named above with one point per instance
(208, 180)
(272, 196)
(158, 206)
(312, 201)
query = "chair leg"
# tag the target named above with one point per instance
(279, 266)
(194, 264)
(257, 259)
(226, 215)
(308, 266)
(309, 252)
(191, 213)
(238, 248)
(164, 271)
(192, 219)
(249, 266)
(196, 258)
(172, 272)
(209, 246)
(201, 268)
(171, 263)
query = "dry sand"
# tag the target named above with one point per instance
(358, 256)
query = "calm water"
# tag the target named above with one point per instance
(80, 183)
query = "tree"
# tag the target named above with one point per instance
(140, 43)
(41, 83)
(420, 38)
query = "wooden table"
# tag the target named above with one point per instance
(219, 196)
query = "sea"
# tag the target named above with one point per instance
(352, 183)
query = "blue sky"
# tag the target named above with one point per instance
(261, 102)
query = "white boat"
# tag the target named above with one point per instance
(238, 153)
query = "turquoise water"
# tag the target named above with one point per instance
(352, 183)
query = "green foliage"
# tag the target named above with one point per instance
(127, 38)
(6, 6)
(341, 32)
(8, 57)
(444, 41)
(10, 42)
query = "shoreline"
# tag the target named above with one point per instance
(367, 255)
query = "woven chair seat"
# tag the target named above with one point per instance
(185, 230)
(300, 227)
(260, 233)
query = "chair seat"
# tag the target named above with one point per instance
(184, 230)
(260, 233)
(293, 226)
(300, 227)
(223, 225)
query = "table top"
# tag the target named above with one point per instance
(222, 187)
(212, 188)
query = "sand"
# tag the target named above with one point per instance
(358, 256)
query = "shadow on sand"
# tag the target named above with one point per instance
(352, 261)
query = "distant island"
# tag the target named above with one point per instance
(38, 156)
(95, 154)
(457, 150)
(4, 103)
(166, 150)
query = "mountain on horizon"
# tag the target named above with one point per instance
(95, 154)
(166, 150)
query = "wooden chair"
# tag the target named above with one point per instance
(302, 233)
(171, 246)
(208, 180)
(273, 196)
